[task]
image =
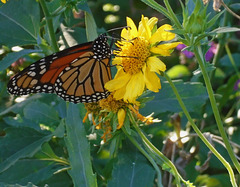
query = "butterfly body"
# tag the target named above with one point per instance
(76, 74)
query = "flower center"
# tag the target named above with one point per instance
(111, 104)
(133, 54)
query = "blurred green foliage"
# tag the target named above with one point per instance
(36, 150)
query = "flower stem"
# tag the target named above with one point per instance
(173, 16)
(201, 136)
(48, 18)
(199, 56)
(161, 156)
(157, 7)
(150, 159)
(232, 60)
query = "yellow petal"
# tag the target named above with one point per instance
(152, 22)
(119, 94)
(155, 64)
(164, 49)
(121, 117)
(116, 61)
(141, 29)
(162, 34)
(152, 81)
(146, 32)
(131, 32)
(126, 34)
(135, 87)
(120, 80)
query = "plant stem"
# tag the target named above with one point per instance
(232, 60)
(161, 156)
(157, 7)
(173, 16)
(48, 18)
(199, 56)
(201, 136)
(150, 159)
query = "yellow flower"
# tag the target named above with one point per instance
(137, 59)
(104, 112)
(116, 106)
(4, 1)
(110, 115)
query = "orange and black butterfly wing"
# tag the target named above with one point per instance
(84, 80)
(41, 75)
(77, 74)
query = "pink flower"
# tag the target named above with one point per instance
(208, 56)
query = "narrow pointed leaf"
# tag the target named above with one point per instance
(78, 149)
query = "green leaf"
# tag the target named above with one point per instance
(46, 153)
(226, 64)
(41, 112)
(29, 170)
(16, 108)
(214, 20)
(132, 169)
(12, 57)
(198, 72)
(78, 149)
(153, 4)
(61, 179)
(20, 121)
(29, 184)
(178, 31)
(60, 130)
(20, 143)
(193, 94)
(224, 30)
(226, 90)
(91, 27)
(20, 22)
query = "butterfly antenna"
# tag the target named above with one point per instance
(118, 28)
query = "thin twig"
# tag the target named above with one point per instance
(229, 10)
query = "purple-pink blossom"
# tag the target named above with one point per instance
(237, 85)
(187, 53)
(208, 56)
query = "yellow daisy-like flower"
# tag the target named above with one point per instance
(4, 1)
(137, 58)
(102, 110)
(116, 106)
(110, 114)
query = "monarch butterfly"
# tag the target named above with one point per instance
(76, 74)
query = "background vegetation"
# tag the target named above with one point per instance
(42, 138)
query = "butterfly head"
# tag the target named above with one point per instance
(101, 48)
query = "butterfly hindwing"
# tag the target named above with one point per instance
(83, 81)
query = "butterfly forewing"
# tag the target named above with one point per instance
(77, 74)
